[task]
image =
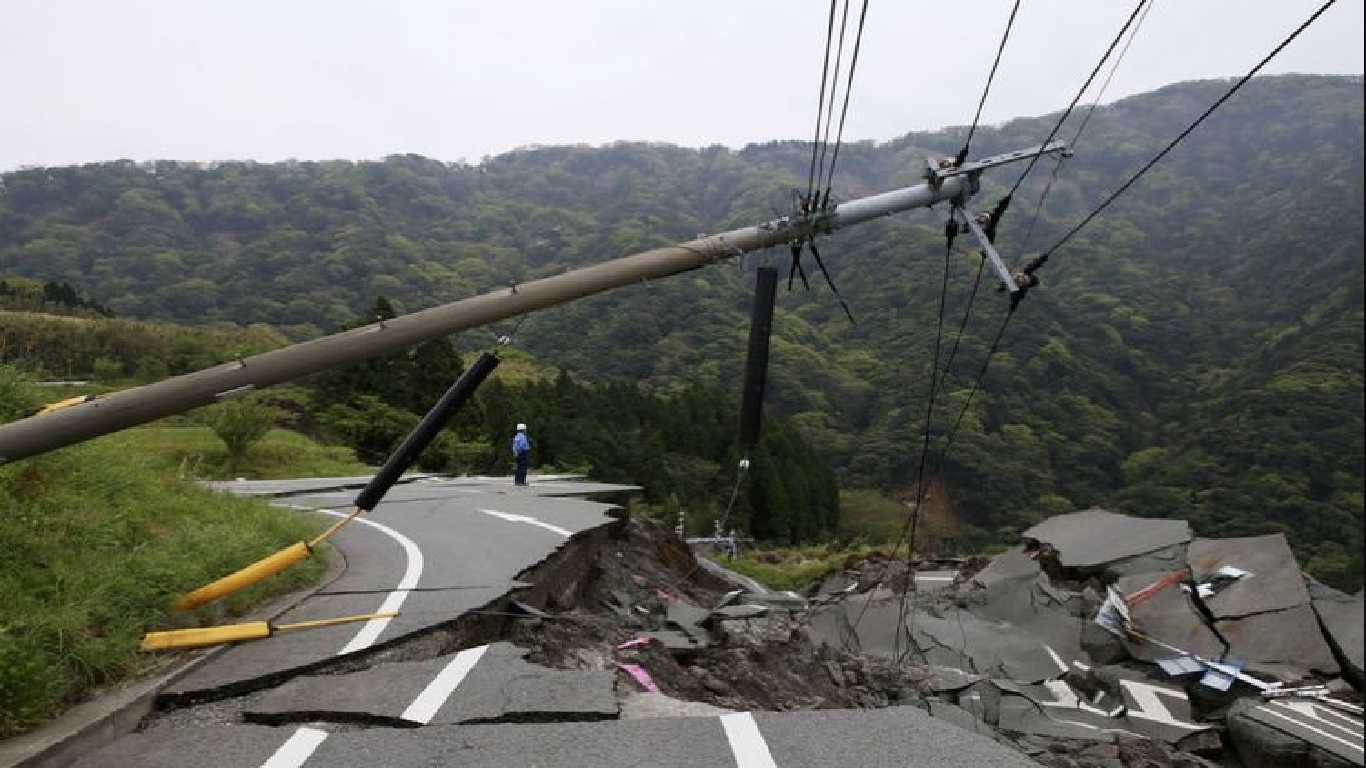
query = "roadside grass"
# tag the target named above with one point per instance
(97, 540)
(795, 567)
(196, 452)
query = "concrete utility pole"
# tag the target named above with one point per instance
(120, 410)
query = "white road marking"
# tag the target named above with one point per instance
(528, 520)
(1306, 726)
(746, 743)
(425, 706)
(297, 749)
(370, 632)
(933, 578)
(1062, 667)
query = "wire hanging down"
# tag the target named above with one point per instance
(1034, 265)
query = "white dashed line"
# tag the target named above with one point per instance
(297, 749)
(746, 743)
(427, 703)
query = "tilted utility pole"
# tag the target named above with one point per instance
(131, 407)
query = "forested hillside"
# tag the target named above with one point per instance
(1196, 352)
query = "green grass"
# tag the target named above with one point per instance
(98, 539)
(196, 452)
(793, 567)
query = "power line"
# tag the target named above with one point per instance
(963, 153)
(1035, 159)
(1076, 137)
(834, 87)
(820, 103)
(1041, 260)
(848, 88)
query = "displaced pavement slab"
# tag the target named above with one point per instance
(1095, 537)
(501, 686)
(1274, 583)
(958, 639)
(1011, 565)
(1290, 731)
(1289, 636)
(432, 552)
(1343, 620)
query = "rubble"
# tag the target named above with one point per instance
(1196, 639)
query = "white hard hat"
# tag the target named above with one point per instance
(521, 427)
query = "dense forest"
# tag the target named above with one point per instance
(1196, 352)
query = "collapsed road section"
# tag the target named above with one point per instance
(619, 647)
(1101, 624)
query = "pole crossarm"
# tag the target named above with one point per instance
(140, 405)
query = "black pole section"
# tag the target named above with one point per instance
(426, 430)
(756, 365)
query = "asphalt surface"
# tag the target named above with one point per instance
(903, 736)
(434, 550)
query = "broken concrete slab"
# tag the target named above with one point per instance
(1341, 618)
(1095, 537)
(688, 618)
(501, 687)
(1274, 583)
(675, 642)
(1294, 732)
(1287, 636)
(1009, 565)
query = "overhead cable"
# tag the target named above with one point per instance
(848, 88)
(963, 153)
(1076, 137)
(1034, 265)
(830, 108)
(1035, 159)
(820, 106)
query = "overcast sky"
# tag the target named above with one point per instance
(273, 79)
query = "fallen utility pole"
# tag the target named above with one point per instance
(120, 410)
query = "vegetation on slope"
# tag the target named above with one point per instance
(1196, 352)
(98, 541)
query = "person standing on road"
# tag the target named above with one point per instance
(521, 451)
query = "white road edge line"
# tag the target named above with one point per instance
(746, 743)
(371, 630)
(425, 706)
(529, 521)
(297, 749)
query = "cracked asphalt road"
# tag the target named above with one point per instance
(436, 550)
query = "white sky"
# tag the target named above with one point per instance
(317, 79)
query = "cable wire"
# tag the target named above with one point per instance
(1076, 137)
(1035, 159)
(848, 88)
(820, 105)
(963, 153)
(834, 88)
(1043, 259)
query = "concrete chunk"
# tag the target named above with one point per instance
(1275, 582)
(1095, 537)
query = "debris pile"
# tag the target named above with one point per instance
(1102, 626)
